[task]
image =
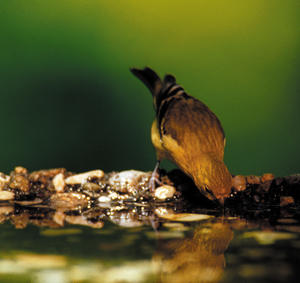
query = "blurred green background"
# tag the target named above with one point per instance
(69, 100)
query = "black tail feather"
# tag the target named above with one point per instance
(169, 79)
(149, 78)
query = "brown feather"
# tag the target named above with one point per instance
(194, 126)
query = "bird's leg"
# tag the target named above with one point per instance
(154, 177)
(155, 224)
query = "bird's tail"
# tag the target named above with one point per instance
(149, 78)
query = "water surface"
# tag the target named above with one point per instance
(142, 244)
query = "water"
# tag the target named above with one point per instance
(133, 244)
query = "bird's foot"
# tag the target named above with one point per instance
(154, 179)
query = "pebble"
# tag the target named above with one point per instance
(6, 195)
(59, 182)
(239, 183)
(126, 181)
(104, 199)
(83, 177)
(92, 187)
(20, 170)
(4, 179)
(164, 192)
(20, 182)
(252, 179)
(113, 195)
(267, 177)
(293, 179)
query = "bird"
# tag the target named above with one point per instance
(186, 132)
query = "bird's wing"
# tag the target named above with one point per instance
(192, 125)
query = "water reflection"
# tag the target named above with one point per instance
(199, 258)
(141, 244)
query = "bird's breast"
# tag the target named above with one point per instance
(157, 142)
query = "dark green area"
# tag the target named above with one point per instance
(109, 245)
(69, 100)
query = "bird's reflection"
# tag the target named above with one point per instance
(199, 258)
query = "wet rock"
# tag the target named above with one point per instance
(63, 189)
(45, 176)
(83, 177)
(267, 177)
(59, 182)
(239, 183)
(164, 192)
(6, 195)
(105, 199)
(4, 179)
(91, 187)
(19, 180)
(252, 179)
(21, 170)
(293, 179)
(129, 181)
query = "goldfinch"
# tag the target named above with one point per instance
(189, 134)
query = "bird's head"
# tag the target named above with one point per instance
(213, 179)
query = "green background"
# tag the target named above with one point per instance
(69, 100)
